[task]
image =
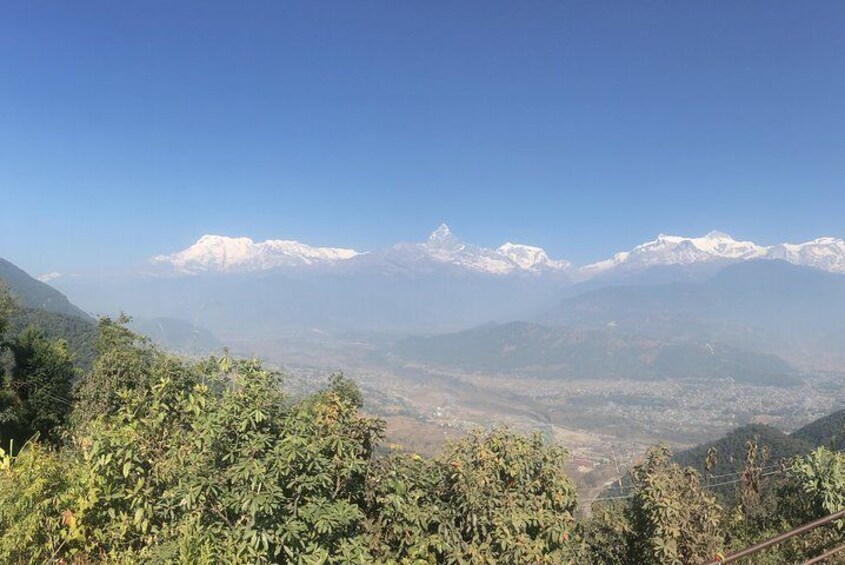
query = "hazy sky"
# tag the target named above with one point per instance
(132, 128)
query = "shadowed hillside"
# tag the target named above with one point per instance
(568, 353)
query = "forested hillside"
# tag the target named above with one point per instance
(40, 306)
(32, 293)
(80, 334)
(824, 432)
(731, 450)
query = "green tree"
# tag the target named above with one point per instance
(489, 498)
(672, 519)
(37, 387)
(124, 361)
(212, 463)
(36, 375)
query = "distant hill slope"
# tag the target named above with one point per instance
(80, 334)
(827, 431)
(731, 449)
(48, 309)
(177, 336)
(32, 293)
(764, 305)
(567, 353)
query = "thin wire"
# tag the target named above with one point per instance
(722, 476)
(736, 474)
(59, 399)
(705, 487)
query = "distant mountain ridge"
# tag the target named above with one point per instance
(566, 353)
(222, 254)
(765, 305)
(46, 308)
(826, 253)
(215, 253)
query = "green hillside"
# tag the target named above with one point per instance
(827, 431)
(80, 334)
(44, 307)
(32, 293)
(731, 449)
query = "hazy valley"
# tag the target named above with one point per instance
(678, 340)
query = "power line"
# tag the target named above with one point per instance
(704, 487)
(711, 477)
(764, 470)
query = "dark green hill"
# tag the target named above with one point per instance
(559, 352)
(42, 306)
(827, 431)
(731, 449)
(32, 293)
(80, 334)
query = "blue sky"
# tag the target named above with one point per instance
(132, 128)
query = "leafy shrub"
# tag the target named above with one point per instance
(489, 498)
(672, 519)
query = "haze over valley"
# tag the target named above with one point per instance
(678, 339)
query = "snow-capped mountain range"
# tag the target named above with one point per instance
(217, 253)
(826, 253)
(221, 254)
(444, 247)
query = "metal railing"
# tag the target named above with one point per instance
(730, 558)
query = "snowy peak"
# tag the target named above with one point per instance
(442, 240)
(222, 254)
(825, 253)
(444, 247)
(216, 253)
(441, 234)
(678, 250)
(715, 245)
(530, 258)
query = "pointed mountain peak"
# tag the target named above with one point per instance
(716, 234)
(441, 233)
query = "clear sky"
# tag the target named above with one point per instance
(131, 128)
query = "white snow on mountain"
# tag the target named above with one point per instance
(443, 246)
(824, 253)
(47, 277)
(676, 250)
(216, 253)
(531, 258)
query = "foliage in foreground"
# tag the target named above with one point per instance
(167, 461)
